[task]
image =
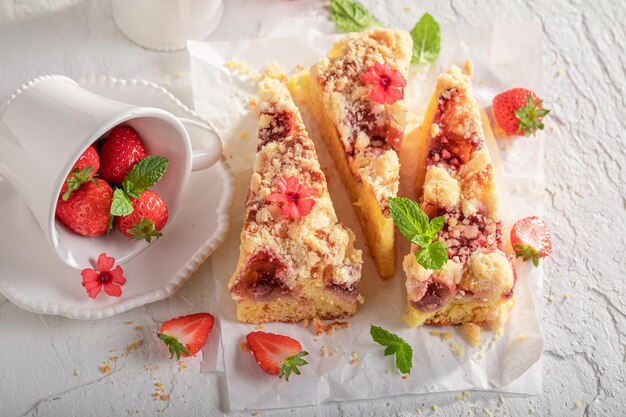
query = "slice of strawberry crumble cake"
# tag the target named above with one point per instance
(296, 260)
(457, 182)
(356, 95)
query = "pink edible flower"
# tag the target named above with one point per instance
(293, 197)
(387, 83)
(111, 279)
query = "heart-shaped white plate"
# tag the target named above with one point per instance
(35, 280)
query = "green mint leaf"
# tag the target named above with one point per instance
(421, 240)
(426, 40)
(121, 204)
(394, 345)
(435, 226)
(408, 217)
(434, 256)
(351, 16)
(144, 174)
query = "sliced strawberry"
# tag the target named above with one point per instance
(83, 171)
(519, 112)
(186, 335)
(530, 238)
(149, 216)
(276, 354)
(119, 152)
(87, 210)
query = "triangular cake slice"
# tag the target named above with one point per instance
(296, 260)
(356, 96)
(457, 181)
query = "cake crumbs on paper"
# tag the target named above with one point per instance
(388, 371)
(299, 68)
(138, 328)
(469, 67)
(457, 349)
(243, 135)
(551, 298)
(405, 377)
(132, 346)
(488, 412)
(566, 296)
(274, 70)
(253, 102)
(418, 411)
(434, 407)
(319, 327)
(182, 366)
(105, 367)
(521, 337)
(240, 67)
(472, 334)
(355, 358)
(244, 346)
(255, 413)
(578, 404)
(129, 323)
(435, 333)
(463, 396)
(408, 8)
(324, 351)
(446, 336)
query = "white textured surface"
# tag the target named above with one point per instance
(49, 365)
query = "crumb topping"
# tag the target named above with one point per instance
(371, 133)
(277, 252)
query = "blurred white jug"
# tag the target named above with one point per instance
(165, 25)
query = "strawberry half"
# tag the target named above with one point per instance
(147, 219)
(276, 354)
(84, 169)
(87, 210)
(530, 238)
(119, 152)
(186, 335)
(519, 112)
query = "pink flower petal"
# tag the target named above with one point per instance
(393, 95)
(116, 275)
(305, 206)
(112, 289)
(282, 185)
(370, 77)
(89, 274)
(290, 209)
(306, 191)
(277, 198)
(105, 263)
(93, 288)
(292, 184)
(397, 80)
(378, 95)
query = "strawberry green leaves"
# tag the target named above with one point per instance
(394, 345)
(426, 40)
(291, 365)
(144, 174)
(173, 345)
(527, 252)
(145, 229)
(530, 116)
(78, 178)
(413, 223)
(351, 16)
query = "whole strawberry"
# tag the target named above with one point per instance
(519, 112)
(119, 152)
(87, 210)
(530, 238)
(276, 354)
(148, 217)
(83, 170)
(186, 335)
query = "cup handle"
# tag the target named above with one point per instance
(211, 153)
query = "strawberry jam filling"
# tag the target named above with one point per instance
(280, 127)
(382, 136)
(447, 147)
(260, 280)
(437, 293)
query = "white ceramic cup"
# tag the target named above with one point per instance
(166, 25)
(45, 127)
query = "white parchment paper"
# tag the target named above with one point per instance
(354, 366)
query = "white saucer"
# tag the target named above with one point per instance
(35, 280)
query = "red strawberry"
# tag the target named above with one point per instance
(83, 170)
(86, 211)
(530, 238)
(119, 152)
(276, 354)
(519, 112)
(186, 335)
(147, 219)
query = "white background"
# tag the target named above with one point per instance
(49, 365)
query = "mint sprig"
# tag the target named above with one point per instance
(413, 224)
(121, 204)
(426, 40)
(144, 174)
(394, 345)
(351, 16)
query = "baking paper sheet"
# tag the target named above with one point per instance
(354, 366)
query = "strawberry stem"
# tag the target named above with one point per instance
(145, 229)
(291, 364)
(527, 252)
(173, 345)
(77, 179)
